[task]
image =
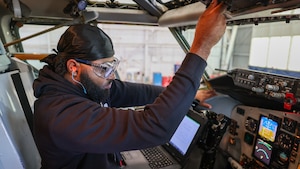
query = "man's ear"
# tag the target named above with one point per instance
(72, 66)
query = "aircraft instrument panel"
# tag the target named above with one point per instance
(263, 138)
(275, 87)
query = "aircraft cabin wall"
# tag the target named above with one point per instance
(18, 149)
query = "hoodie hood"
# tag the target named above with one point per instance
(49, 81)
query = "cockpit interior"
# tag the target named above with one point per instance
(254, 122)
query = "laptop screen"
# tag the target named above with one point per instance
(184, 135)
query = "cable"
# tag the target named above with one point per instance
(84, 90)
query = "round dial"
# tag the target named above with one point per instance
(251, 124)
(285, 141)
(289, 125)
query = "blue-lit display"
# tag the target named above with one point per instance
(267, 128)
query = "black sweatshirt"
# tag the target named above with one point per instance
(73, 132)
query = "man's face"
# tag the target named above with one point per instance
(97, 88)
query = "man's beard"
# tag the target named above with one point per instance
(94, 92)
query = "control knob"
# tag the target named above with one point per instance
(283, 83)
(251, 77)
(277, 95)
(272, 87)
(257, 89)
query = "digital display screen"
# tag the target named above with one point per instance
(184, 134)
(263, 151)
(267, 128)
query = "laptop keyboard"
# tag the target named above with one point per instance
(156, 158)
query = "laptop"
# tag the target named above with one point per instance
(175, 153)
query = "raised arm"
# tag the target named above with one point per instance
(209, 30)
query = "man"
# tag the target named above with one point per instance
(74, 127)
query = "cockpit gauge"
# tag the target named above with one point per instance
(285, 141)
(263, 151)
(251, 124)
(289, 124)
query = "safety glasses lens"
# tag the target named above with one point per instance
(106, 69)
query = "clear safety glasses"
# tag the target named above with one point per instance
(103, 70)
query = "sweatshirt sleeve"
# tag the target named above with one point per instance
(127, 94)
(173, 103)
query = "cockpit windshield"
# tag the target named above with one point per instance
(268, 47)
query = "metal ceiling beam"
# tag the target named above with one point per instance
(149, 7)
(129, 16)
(17, 8)
(183, 16)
